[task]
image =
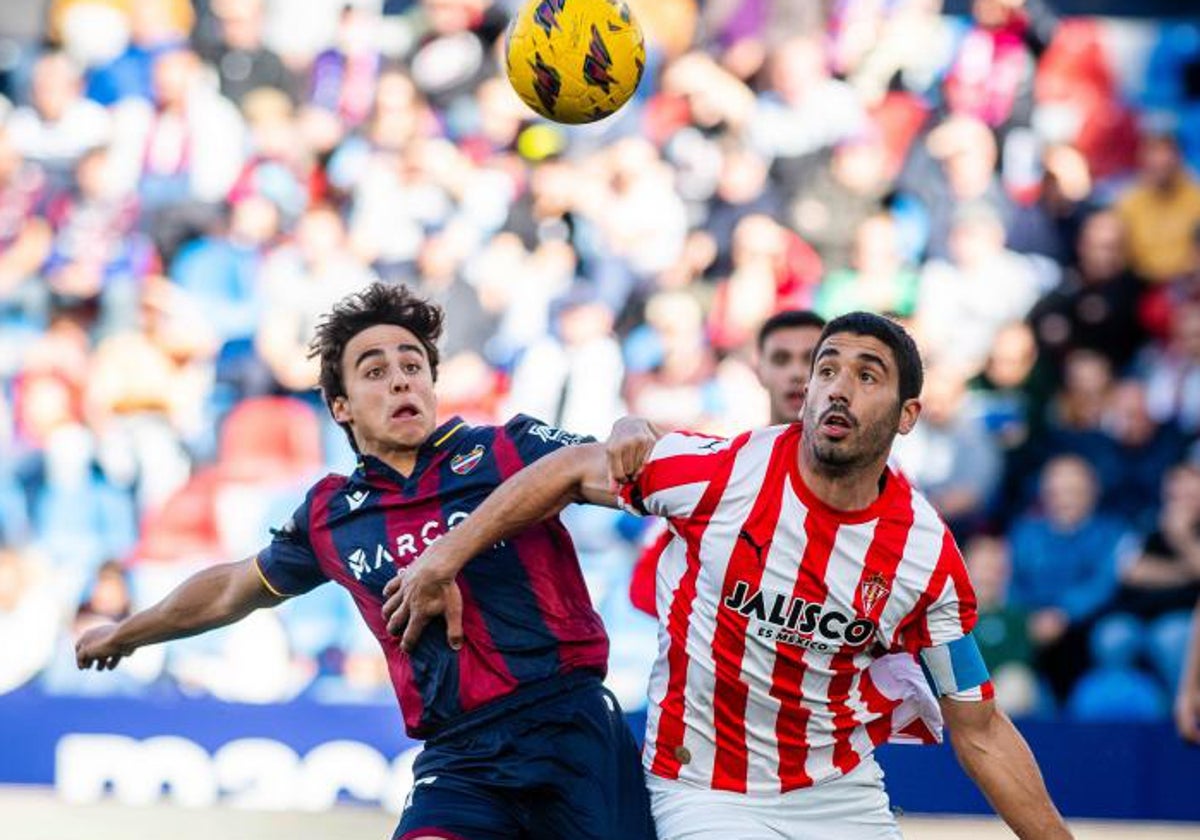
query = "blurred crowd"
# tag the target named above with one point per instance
(185, 187)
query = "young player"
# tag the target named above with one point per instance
(801, 558)
(522, 740)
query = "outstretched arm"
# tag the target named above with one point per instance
(207, 600)
(996, 757)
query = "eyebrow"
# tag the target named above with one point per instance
(376, 351)
(869, 358)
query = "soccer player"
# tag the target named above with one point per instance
(801, 558)
(786, 342)
(521, 738)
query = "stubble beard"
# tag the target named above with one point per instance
(840, 459)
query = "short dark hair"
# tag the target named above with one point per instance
(897, 339)
(786, 320)
(379, 303)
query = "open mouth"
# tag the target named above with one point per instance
(837, 425)
(405, 412)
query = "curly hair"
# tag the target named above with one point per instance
(379, 303)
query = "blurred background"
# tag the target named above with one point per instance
(186, 185)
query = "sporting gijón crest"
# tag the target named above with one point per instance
(873, 589)
(546, 82)
(598, 62)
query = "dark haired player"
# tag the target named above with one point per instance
(521, 738)
(801, 558)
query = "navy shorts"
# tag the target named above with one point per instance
(565, 767)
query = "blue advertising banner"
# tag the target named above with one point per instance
(305, 755)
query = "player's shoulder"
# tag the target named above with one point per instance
(326, 488)
(687, 442)
(523, 425)
(929, 539)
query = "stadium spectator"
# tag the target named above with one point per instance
(1171, 370)
(1144, 452)
(1160, 586)
(950, 456)
(243, 62)
(805, 109)
(964, 301)
(59, 124)
(954, 168)
(1160, 211)
(1064, 568)
(878, 280)
(831, 197)
(573, 376)
(25, 236)
(1096, 305)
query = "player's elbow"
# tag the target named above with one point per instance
(976, 732)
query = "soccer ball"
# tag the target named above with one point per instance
(575, 61)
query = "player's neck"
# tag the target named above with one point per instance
(847, 489)
(401, 459)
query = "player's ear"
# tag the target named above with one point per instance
(340, 410)
(909, 412)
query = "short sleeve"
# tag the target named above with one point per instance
(289, 565)
(534, 439)
(939, 630)
(948, 610)
(673, 480)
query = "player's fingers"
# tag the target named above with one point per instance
(400, 617)
(393, 585)
(392, 604)
(454, 611)
(413, 631)
(615, 468)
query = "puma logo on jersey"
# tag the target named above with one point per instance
(798, 616)
(758, 549)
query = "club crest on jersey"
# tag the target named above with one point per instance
(795, 621)
(873, 589)
(464, 462)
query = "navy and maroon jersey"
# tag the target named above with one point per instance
(527, 615)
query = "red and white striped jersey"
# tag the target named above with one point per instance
(772, 607)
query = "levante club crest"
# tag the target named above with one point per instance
(464, 462)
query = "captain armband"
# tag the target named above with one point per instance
(955, 668)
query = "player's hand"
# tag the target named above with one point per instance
(1187, 714)
(418, 593)
(628, 446)
(99, 647)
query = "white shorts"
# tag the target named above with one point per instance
(853, 807)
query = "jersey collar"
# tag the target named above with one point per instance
(441, 437)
